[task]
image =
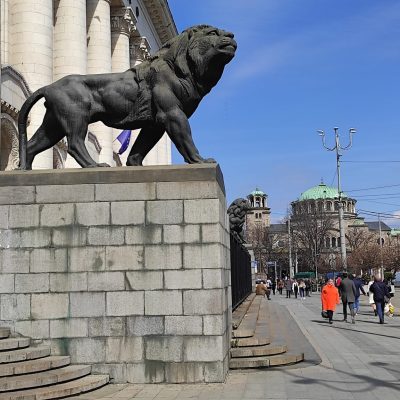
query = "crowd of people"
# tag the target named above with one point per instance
(347, 288)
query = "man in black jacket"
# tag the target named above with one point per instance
(380, 291)
(347, 291)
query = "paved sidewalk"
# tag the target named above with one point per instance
(359, 362)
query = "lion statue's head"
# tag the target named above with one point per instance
(201, 52)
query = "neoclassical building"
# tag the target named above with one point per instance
(42, 41)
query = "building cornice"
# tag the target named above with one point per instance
(161, 18)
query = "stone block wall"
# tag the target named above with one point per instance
(126, 269)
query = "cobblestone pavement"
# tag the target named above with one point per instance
(360, 361)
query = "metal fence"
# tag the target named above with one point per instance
(240, 272)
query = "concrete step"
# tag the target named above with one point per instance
(14, 343)
(60, 390)
(29, 353)
(31, 366)
(38, 379)
(265, 362)
(241, 311)
(4, 333)
(249, 321)
(257, 351)
(251, 341)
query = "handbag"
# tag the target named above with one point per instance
(324, 314)
(386, 299)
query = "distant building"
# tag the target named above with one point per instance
(43, 41)
(318, 205)
(259, 212)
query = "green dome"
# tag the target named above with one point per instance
(320, 192)
(257, 192)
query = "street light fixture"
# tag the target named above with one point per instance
(338, 148)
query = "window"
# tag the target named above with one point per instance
(328, 206)
(327, 243)
(333, 242)
(336, 206)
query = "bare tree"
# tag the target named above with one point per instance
(310, 225)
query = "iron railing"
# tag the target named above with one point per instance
(240, 272)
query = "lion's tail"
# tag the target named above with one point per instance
(22, 122)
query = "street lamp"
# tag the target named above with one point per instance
(338, 148)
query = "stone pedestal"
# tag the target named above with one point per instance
(126, 269)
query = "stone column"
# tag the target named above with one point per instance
(31, 40)
(4, 31)
(99, 61)
(70, 50)
(123, 23)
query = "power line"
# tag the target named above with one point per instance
(371, 161)
(372, 188)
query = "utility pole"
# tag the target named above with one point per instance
(381, 245)
(291, 269)
(338, 148)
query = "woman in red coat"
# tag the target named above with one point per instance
(329, 298)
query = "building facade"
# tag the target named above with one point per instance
(315, 234)
(43, 41)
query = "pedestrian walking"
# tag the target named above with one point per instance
(268, 284)
(288, 285)
(302, 289)
(280, 286)
(348, 293)
(359, 284)
(329, 299)
(381, 296)
(295, 288)
(308, 288)
(273, 286)
(371, 296)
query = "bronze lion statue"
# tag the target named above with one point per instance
(156, 96)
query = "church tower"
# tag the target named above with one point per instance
(259, 212)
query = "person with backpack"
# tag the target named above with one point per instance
(381, 296)
(359, 284)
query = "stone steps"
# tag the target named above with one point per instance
(241, 311)
(258, 351)
(251, 341)
(14, 343)
(31, 373)
(58, 391)
(252, 347)
(4, 333)
(248, 323)
(38, 365)
(265, 362)
(28, 353)
(46, 378)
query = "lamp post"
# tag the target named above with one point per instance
(338, 148)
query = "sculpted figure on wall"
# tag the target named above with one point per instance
(156, 96)
(237, 217)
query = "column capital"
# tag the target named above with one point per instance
(123, 20)
(139, 48)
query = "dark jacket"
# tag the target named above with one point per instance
(347, 290)
(380, 290)
(359, 284)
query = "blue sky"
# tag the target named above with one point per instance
(303, 65)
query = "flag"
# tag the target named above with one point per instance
(124, 138)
